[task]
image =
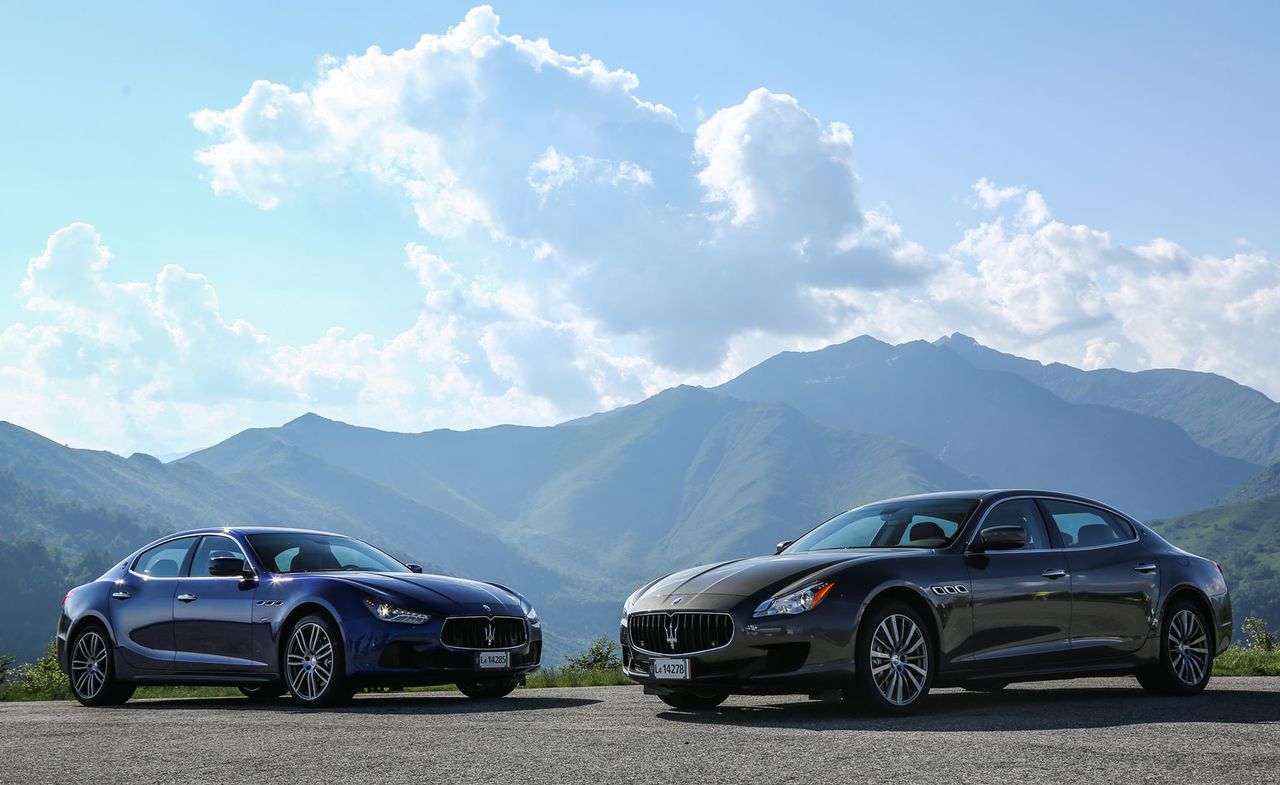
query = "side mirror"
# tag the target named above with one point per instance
(414, 567)
(1002, 538)
(782, 546)
(228, 566)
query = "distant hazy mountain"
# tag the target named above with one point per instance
(997, 424)
(1218, 413)
(577, 514)
(685, 476)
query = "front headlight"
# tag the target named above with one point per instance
(805, 599)
(388, 612)
(531, 615)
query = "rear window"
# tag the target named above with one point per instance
(1082, 526)
(165, 560)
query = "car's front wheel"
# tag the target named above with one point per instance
(92, 669)
(693, 701)
(1186, 653)
(894, 661)
(313, 664)
(487, 689)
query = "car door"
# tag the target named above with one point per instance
(213, 616)
(141, 609)
(1020, 599)
(1114, 582)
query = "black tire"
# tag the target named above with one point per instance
(91, 666)
(987, 686)
(1186, 653)
(313, 665)
(487, 689)
(901, 652)
(693, 701)
(264, 692)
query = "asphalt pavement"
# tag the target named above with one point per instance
(1080, 731)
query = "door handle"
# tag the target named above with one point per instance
(121, 595)
(1145, 567)
(1057, 572)
(186, 598)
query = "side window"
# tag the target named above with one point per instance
(209, 547)
(1024, 513)
(1085, 527)
(164, 560)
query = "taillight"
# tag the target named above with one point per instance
(1220, 572)
(67, 597)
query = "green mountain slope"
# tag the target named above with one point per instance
(685, 476)
(1242, 538)
(996, 425)
(1264, 483)
(1227, 417)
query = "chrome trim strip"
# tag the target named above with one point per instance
(733, 632)
(527, 637)
(981, 521)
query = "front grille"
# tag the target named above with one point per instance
(683, 632)
(480, 632)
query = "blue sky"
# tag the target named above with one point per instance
(1094, 130)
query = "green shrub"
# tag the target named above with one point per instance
(1260, 638)
(601, 655)
(577, 677)
(1241, 661)
(39, 680)
(5, 662)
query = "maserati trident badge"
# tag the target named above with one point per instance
(489, 634)
(673, 633)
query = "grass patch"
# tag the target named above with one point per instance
(1237, 661)
(577, 677)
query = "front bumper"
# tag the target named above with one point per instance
(382, 654)
(776, 655)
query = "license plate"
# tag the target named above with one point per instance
(493, 659)
(670, 669)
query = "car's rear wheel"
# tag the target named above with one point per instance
(894, 661)
(263, 692)
(686, 700)
(313, 663)
(487, 689)
(1186, 653)
(93, 671)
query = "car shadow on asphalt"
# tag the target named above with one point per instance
(398, 703)
(1011, 709)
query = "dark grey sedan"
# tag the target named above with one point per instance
(975, 589)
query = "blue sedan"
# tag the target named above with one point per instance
(273, 610)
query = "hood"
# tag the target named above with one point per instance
(436, 593)
(762, 575)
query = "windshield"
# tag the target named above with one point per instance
(925, 523)
(291, 552)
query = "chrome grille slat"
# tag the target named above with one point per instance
(471, 632)
(694, 631)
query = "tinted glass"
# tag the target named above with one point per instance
(210, 547)
(165, 560)
(1024, 513)
(1084, 527)
(929, 523)
(303, 552)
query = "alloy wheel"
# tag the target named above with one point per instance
(899, 659)
(89, 665)
(309, 660)
(1188, 647)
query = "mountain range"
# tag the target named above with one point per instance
(577, 514)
